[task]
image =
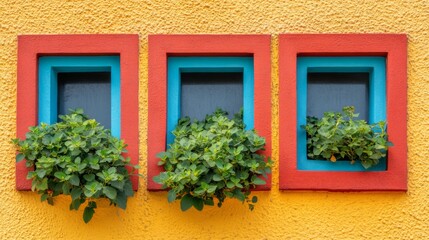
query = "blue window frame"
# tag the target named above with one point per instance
(178, 65)
(375, 67)
(50, 66)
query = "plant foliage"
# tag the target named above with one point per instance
(213, 159)
(341, 136)
(76, 157)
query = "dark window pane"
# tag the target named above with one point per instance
(202, 93)
(87, 90)
(333, 91)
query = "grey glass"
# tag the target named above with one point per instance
(87, 90)
(333, 91)
(202, 93)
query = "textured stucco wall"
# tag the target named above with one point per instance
(278, 215)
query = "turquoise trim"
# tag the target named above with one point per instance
(49, 67)
(375, 66)
(176, 65)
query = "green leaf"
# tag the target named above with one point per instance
(186, 202)
(230, 184)
(88, 193)
(198, 203)
(217, 178)
(43, 197)
(159, 178)
(42, 185)
(128, 189)
(58, 188)
(89, 177)
(257, 181)
(66, 188)
(77, 111)
(161, 155)
(239, 195)
(40, 173)
(19, 157)
(74, 180)
(50, 201)
(378, 146)
(244, 175)
(171, 196)
(92, 189)
(251, 207)
(121, 200)
(31, 175)
(366, 164)
(60, 175)
(209, 202)
(75, 204)
(160, 163)
(211, 189)
(75, 193)
(118, 184)
(254, 199)
(88, 213)
(199, 191)
(110, 192)
(229, 194)
(359, 151)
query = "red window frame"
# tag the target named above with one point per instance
(30, 47)
(391, 46)
(163, 46)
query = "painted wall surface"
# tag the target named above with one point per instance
(278, 214)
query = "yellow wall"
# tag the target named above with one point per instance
(278, 214)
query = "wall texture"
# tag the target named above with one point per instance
(278, 214)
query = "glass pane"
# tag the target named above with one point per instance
(333, 91)
(202, 93)
(87, 90)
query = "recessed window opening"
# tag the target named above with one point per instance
(331, 91)
(90, 91)
(203, 92)
(327, 84)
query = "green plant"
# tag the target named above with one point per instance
(341, 136)
(76, 157)
(213, 159)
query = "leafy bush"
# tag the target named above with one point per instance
(341, 136)
(212, 159)
(76, 157)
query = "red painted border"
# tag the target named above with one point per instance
(30, 47)
(394, 47)
(161, 46)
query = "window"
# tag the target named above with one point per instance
(328, 84)
(53, 67)
(199, 85)
(180, 63)
(92, 83)
(374, 68)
